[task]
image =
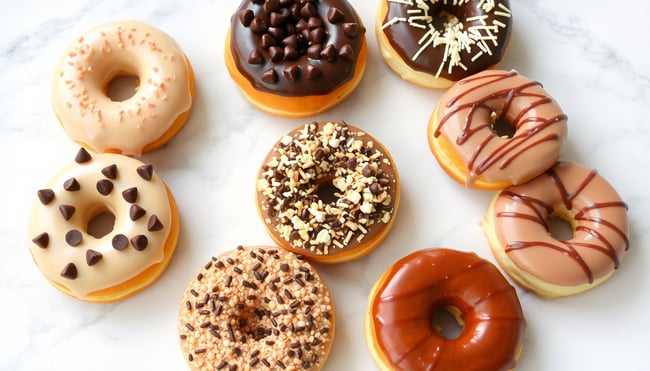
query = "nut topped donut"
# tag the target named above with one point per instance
(115, 259)
(436, 43)
(296, 58)
(256, 308)
(328, 191)
(145, 121)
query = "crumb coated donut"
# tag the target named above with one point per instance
(495, 129)
(329, 191)
(256, 307)
(296, 58)
(517, 230)
(436, 43)
(145, 121)
(102, 265)
(400, 332)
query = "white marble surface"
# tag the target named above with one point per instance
(593, 56)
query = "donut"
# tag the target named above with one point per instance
(399, 329)
(114, 262)
(256, 307)
(148, 119)
(328, 191)
(296, 58)
(436, 43)
(495, 129)
(516, 226)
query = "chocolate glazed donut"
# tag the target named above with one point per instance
(296, 47)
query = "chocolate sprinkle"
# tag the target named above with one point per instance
(104, 187)
(110, 171)
(93, 257)
(67, 211)
(73, 237)
(45, 196)
(42, 240)
(82, 156)
(136, 212)
(120, 242)
(154, 224)
(69, 271)
(71, 185)
(130, 195)
(139, 242)
(145, 171)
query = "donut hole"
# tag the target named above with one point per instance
(327, 192)
(447, 16)
(122, 87)
(447, 321)
(101, 224)
(561, 224)
(501, 126)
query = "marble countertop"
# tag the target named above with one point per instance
(591, 57)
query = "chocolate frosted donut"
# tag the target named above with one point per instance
(295, 48)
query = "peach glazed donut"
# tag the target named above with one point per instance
(517, 230)
(328, 191)
(103, 264)
(436, 43)
(296, 58)
(400, 332)
(256, 307)
(148, 119)
(495, 129)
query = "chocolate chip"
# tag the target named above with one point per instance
(317, 36)
(154, 224)
(313, 72)
(145, 171)
(104, 187)
(67, 211)
(302, 25)
(351, 163)
(246, 16)
(82, 156)
(314, 22)
(73, 237)
(319, 154)
(110, 171)
(42, 240)
(290, 53)
(270, 76)
(259, 26)
(276, 53)
(375, 188)
(291, 40)
(313, 51)
(367, 171)
(93, 257)
(69, 271)
(346, 53)
(120, 242)
(130, 195)
(266, 42)
(291, 73)
(276, 32)
(71, 185)
(139, 242)
(350, 29)
(308, 10)
(329, 53)
(45, 196)
(334, 15)
(277, 19)
(136, 212)
(271, 5)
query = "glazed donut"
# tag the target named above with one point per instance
(435, 43)
(399, 329)
(122, 261)
(495, 129)
(296, 58)
(517, 230)
(256, 307)
(141, 123)
(328, 191)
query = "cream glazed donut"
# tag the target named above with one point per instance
(151, 116)
(517, 230)
(107, 264)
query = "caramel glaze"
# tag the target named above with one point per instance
(296, 47)
(467, 112)
(600, 225)
(414, 287)
(427, 36)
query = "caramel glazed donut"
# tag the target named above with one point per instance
(256, 307)
(328, 191)
(141, 123)
(435, 43)
(516, 228)
(120, 263)
(296, 58)
(399, 330)
(495, 129)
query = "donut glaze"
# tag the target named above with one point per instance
(256, 307)
(463, 137)
(365, 184)
(128, 258)
(516, 226)
(399, 327)
(143, 122)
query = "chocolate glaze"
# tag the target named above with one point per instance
(410, 36)
(296, 47)
(415, 286)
